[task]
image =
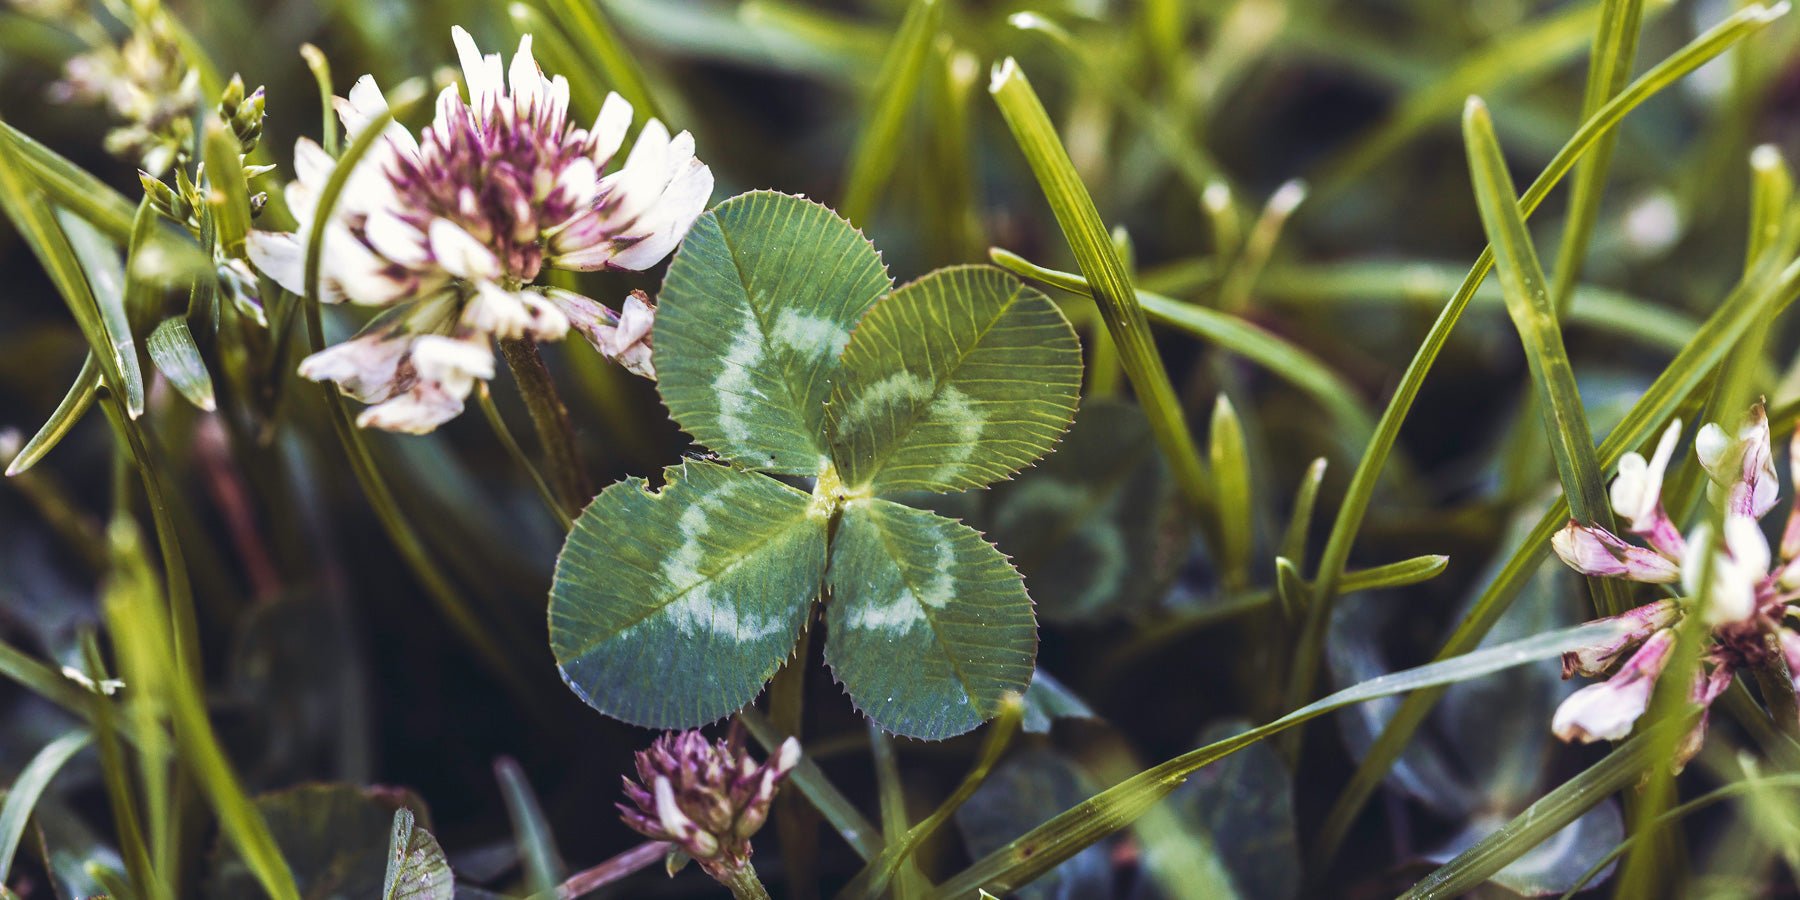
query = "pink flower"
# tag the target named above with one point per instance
(454, 226)
(1607, 710)
(707, 797)
(1596, 551)
(1639, 624)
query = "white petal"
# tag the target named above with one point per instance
(547, 322)
(365, 367)
(418, 411)
(480, 73)
(610, 127)
(452, 361)
(460, 254)
(498, 312)
(393, 238)
(526, 79)
(671, 218)
(279, 255)
(646, 173)
(579, 182)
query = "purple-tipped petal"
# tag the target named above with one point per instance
(1607, 711)
(1596, 551)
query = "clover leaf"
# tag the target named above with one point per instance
(782, 346)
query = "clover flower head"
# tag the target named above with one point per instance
(706, 797)
(1748, 587)
(451, 228)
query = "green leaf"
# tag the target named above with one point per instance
(929, 626)
(74, 405)
(1021, 794)
(105, 272)
(228, 193)
(1230, 458)
(416, 866)
(1048, 845)
(72, 187)
(544, 867)
(756, 308)
(172, 349)
(334, 836)
(670, 609)
(22, 795)
(1088, 527)
(1048, 700)
(1099, 260)
(1244, 806)
(953, 382)
(879, 147)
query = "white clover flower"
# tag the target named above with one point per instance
(1749, 588)
(454, 226)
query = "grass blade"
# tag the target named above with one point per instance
(22, 795)
(1230, 458)
(1533, 312)
(229, 193)
(105, 274)
(71, 187)
(1765, 291)
(172, 348)
(872, 881)
(909, 882)
(857, 831)
(1099, 260)
(1288, 361)
(1713, 42)
(594, 38)
(74, 405)
(893, 93)
(544, 867)
(1050, 844)
(1544, 818)
(119, 795)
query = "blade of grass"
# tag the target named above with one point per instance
(1230, 459)
(22, 795)
(590, 32)
(1770, 289)
(896, 88)
(74, 405)
(72, 188)
(1517, 56)
(1050, 844)
(544, 868)
(50, 244)
(197, 744)
(227, 192)
(1550, 814)
(1609, 68)
(861, 834)
(1286, 360)
(872, 881)
(105, 275)
(171, 347)
(1357, 496)
(1306, 497)
(909, 882)
(1533, 312)
(1093, 248)
(119, 796)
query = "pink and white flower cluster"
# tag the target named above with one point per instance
(706, 797)
(1747, 588)
(450, 229)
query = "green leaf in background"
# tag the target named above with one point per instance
(756, 308)
(929, 626)
(74, 405)
(334, 837)
(416, 867)
(1048, 700)
(1232, 823)
(1087, 526)
(22, 795)
(954, 381)
(670, 609)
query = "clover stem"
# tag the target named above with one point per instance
(741, 880)
(550, 416)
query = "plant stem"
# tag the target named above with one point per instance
(551, 418)
(742, 881)
(486, 399)
(630, 862)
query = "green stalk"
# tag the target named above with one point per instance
(550, 416)
(485, 399)
(896, 88)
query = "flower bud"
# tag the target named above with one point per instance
(706, 797)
